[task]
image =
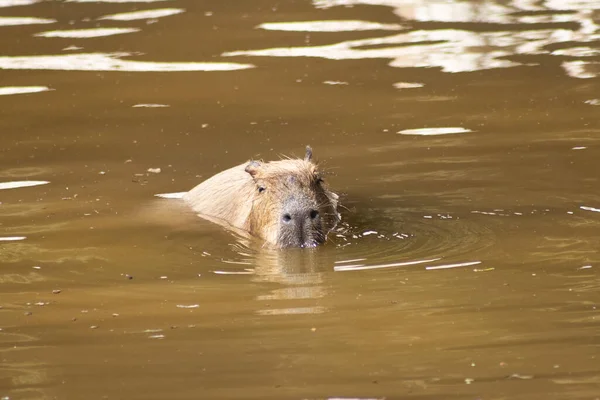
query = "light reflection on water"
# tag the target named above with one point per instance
(10, 90)
(582, 69)
(114, 1)
(329, 26)
(110, 62)
(434, 131)
(455, 50)
(408, 85)
(452, 50)
(86, 33)
(11, 238)
(14, 3)
(146, 14)
(16, 21)
(21, 184)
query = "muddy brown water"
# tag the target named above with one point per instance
(463, 137)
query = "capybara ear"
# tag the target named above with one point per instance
(253, 167)
(308, 155)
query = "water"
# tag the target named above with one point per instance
(461, 136)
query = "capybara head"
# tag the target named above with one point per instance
(291, 206)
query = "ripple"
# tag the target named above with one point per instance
(464, 48)
(582, 69)
(451, 49)
(150, 105)
(444, 238)
(110, 62)
(457, 265)
(293, 310)
(572, 4)
(15, 21)
(87, 33)
(434, 131)
(113, 1)
(24, 172)
(9, 90)
(21, 184)
(475, 12)
(577, 52)
(12, 238)
(329, 26)
(146, 14)
(361, 267)
(443, 11)
(188, 305)
(13, 3)
(586, 208)
(408, 85)
(234, 272)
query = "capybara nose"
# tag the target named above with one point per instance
(300, 216)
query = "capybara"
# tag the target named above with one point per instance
(284, 202)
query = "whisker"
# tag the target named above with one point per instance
(343, 206)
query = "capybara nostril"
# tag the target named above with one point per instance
(286, 217)
(314, 214)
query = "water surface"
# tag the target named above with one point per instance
(462, 137)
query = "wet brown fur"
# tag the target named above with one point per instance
(233, 196)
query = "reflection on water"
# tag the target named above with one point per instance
(301, 273)
(577, 52)
(408, 85)
(434, 131)
(11, 238)
(362, 267)
(457, 265)
(150, 105)
(114, 1)
(8, 90)
(15, 21)
(590, 209)
(13, 3)
(87, 33)
(329, 26)
(582, 69)
(452, 50)
(21, 184)
(146, 14)
(456, 49)
(110, 62)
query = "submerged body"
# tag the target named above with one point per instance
(283, 202)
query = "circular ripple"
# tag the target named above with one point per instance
(368, 240)
(416, 237)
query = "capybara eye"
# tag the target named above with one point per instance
(261, 189)
(314, 214)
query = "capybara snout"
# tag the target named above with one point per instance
(301, 223)
(284, 202)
